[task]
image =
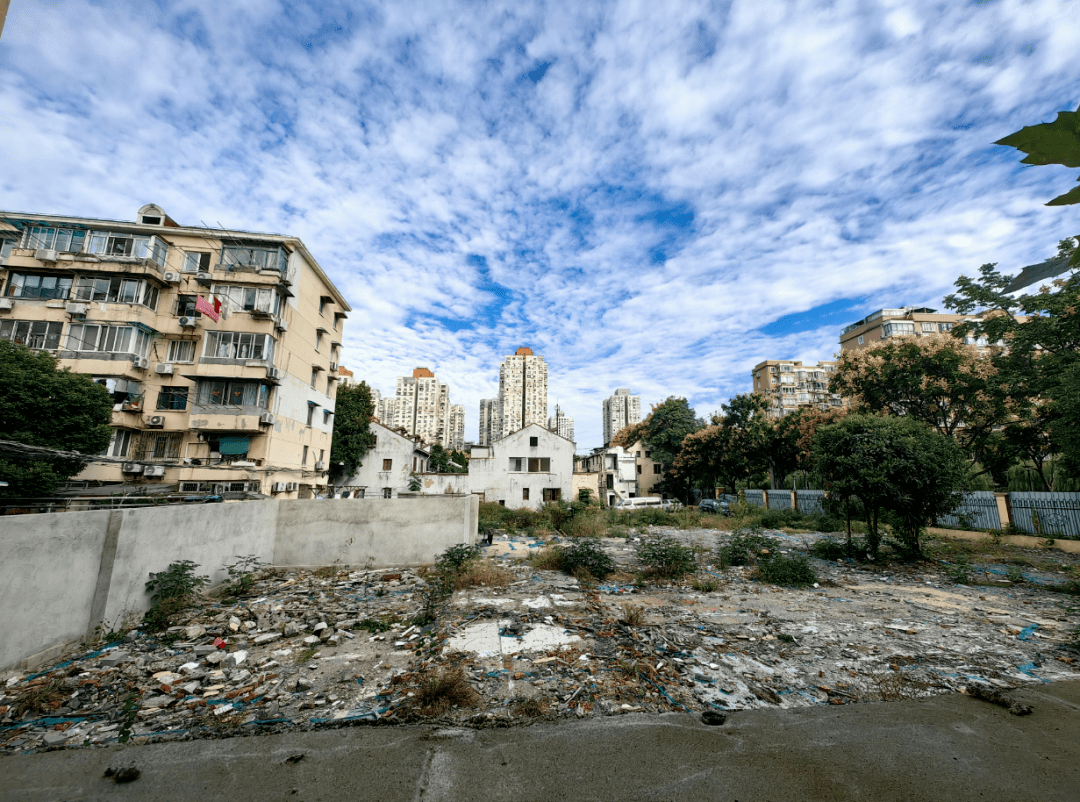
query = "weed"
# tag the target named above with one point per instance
(893, 686)
(666, 557)
(456, 557)
(959, 572)
(326, 572)
(586, 525)
(790, 571)
(1048, 542)
(705, 584)
(306, 655)
(550, 559)
(587, 554)
(528, 708)
(242, 574)
(178, 582)
(744, 548)
(633, 615)
(1014, 574)
(42, 699)
(786, 638)
(827, 548)
(482, 573)
(442, 689)
(628, 668)
(439, 587)
(128, 715)
(1069, 586)
(377, 625)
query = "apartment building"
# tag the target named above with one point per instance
(421, 408)
(620, 410)
(789, 385)
(907, 321)
(614, 473)
(562, 424)
(527, 468)
(389, 467)
(522, 398)
(220, 347)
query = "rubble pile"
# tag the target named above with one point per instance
(310, 649)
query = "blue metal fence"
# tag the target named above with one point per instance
(779, 499)
(1047, 514)
(755, 498)
(809, 502)
(978, 510)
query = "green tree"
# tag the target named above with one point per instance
(733, 448)
(897, 465)
(352, 438)
(791, 439)
(1038, 367)
(443, 461)
(664, 430)
(50, 408)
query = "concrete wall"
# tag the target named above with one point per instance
(61, 574)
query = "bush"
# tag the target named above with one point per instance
(780, 570)
(586, 554)
(242, 574)
(171, 591)
(585, 524)
(828, 548)
(666, 557)
(455, 558)
(744, 548)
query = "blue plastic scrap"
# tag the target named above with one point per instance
(1026, 632)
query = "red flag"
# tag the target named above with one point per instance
(217, 305)
(203, 306)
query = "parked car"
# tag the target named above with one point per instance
(712, 505)
(641, 503)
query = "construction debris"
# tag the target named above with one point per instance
(338, 647)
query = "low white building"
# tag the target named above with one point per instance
(527, 468)
(388, 468)
(611, 474)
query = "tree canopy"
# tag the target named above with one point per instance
(43, 406)
(443, 461)
(733, 448)
(353, 410)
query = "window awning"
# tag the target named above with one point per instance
(233, 445)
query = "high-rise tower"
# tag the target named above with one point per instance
(522, 397)
(620, 411)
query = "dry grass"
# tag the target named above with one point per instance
(442, 689)
(546, 560)
(529, 708)
(585, 526)
(326, 572)
(633, 615)
(482, 573)
(42, 699)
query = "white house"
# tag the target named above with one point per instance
(527, 468)
(387, 469)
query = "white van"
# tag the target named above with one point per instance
(643, 502)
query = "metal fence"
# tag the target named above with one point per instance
(810, 502)
(755, 498)
(779, 499)
(978, 510)
(1047, 514)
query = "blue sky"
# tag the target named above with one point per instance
(651, 195)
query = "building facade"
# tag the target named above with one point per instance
(620, 411)
(907, 321)
(239, 400)
(527, 468)
(487, 421)
(522, 398)
(562, 424)
(789, 385)
(614, 473)
(389, 466)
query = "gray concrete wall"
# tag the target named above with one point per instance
(61, 574)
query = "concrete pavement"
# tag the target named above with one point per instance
(945, 748)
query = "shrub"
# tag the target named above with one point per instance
(443, 689)
(242, 574)
(481, 573)
(666, 557)
(550, 559)
(827, 548)
(587, 554)
(705, 584)
(170, 592)
(780, 570)
(585, 525)
(456, 557)
(633, 615)
(744, 548)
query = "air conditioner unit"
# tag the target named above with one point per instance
(333, 367)
(292, 486)
(141, 363)
(154, 470)
(279, 487)
(78, 310)
(257, 312)
(45, 255)
(131, 467)
(281, 325)
(275, 374)
(188, 322)
(164, 368)
(267, 418)
(156, 421)
(6, 304)
(172, 278)
(320, 466)
(203, 277)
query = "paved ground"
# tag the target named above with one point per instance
(948, 747)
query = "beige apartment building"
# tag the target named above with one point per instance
(788, 385)
(242, 404)
(562, 424)
(620, 410)
(522, 399)
(421, 407)
(908, 321)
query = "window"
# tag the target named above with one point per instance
(318, 340)
(196, 262)
(516, 464)
(56, 239)
(234, 393)
(945, 326)
(656, 467)
(272, 258)
(310, 412)
(238, 345)
(304, 460)
(109, 339)
(326, 417)
(539, 465)
(893, 329)
(929, 327)
(534, 442)
(861, 338)
(314, 376)
(386, 464)
(7, 244)
(610, 482)
(639, 469)
(552, 494)
(524, 494)
(119, 444)
(117, 290)
(162, 445)
(185, 306)
(648, 455)
(249, 299)
(35, 334)
(24, 285)
(181, 351)
(388, 492)
(172, 398)
(105, 243)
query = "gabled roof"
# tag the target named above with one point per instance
(416, 446)
(544, 429)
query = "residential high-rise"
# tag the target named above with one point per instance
(789, 385)
(562, 424)
(488, 421)
(522, 394)
(421, 407)
(620, 411)
(205, 402)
